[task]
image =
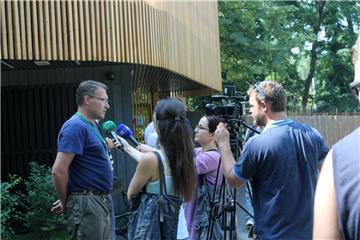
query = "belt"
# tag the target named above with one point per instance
(88, 192)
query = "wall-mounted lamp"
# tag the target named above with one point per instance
(110, 76)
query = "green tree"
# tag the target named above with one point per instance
(295, 43)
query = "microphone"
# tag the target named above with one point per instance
(109, 127)
(125, 132)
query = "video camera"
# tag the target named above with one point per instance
(231, 107)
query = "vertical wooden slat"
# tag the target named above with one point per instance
(70, 30)
(22, 29)
(137, 32)
(108, 31)
(16, 25)
(130, 32)
(98, 45)
(41, 30)
(121, 28)
(103, 31)
(125, 32)
(82, 33)
(151, 35)
(145, 39)
(47, 32)
(10, 29)
(145, 22)
(76, 30)
(53, 23)
(161, 38)
(155, 37)
(58, 31)
(141, 31)
(93, 29)
(35, 34)
(117, 19)
(65, 30)
(29, 36)
(113, 38)
(4, 32)
(88, 33)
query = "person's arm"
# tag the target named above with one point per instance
(60, 175)
(133, 152)
(227, 158)
(325, 210)
(145, 148)
(144, 171)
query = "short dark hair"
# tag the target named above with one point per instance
(272, 93)
(213, 121)
(87, 87)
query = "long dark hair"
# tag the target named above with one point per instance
(176, 140)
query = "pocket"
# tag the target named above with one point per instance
(73, 215)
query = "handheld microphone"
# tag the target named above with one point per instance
(125, 132)
(109, 128)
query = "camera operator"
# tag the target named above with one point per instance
(282, 162)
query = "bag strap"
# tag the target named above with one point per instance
(161, 174)
(162, 186)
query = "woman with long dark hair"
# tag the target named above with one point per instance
(176, 151)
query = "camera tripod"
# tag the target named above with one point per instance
(224, 205)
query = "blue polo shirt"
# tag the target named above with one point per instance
(90, 168)
(283, 164)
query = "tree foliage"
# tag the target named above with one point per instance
(300, 44)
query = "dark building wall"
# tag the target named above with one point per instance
(35, 104)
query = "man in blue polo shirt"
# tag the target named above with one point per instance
(283, 163)
(81, 173)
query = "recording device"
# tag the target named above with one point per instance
(109, 128)
(125, 132)
(231, 107)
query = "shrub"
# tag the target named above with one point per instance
(10, 203)
(39, 198)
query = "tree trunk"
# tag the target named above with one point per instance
(316, 28)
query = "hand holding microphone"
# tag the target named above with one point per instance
(109, 128)
(124, 131)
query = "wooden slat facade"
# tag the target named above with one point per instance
(179, 36)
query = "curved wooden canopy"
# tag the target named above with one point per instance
(179, 36)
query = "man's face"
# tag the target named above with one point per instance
(99, 104)
(256, 111)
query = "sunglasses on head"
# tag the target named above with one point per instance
(258, 89)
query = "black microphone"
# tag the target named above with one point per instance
(109, 127)
(125, 132)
